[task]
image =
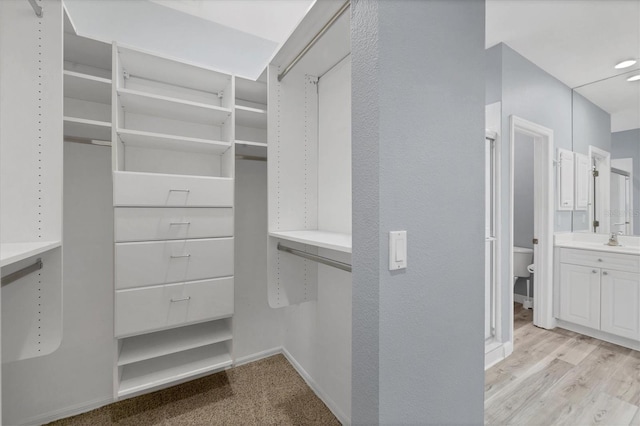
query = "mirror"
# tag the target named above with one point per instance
(611, 140)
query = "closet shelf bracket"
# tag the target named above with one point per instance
(316, 258)
(8, 279)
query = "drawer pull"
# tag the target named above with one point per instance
(182, 299)
(605, 273)
(599, 260)
(179, 190)
(179, 223)
(179, 256)
(594, 272)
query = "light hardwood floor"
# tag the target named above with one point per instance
(557, 377)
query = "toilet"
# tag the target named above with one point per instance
(522, 259)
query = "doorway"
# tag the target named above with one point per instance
(543, 217)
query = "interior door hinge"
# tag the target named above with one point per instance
(596, 173)
(535, 241)
(596, 223)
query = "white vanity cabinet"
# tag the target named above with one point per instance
(600, 290)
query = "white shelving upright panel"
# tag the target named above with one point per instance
(309, 156)
(173, 164)
(31, 153)
(251, 116)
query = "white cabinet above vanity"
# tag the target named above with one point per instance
(597, 287)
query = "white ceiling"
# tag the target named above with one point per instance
(578, 42)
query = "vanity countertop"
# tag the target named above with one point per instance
(598, 242)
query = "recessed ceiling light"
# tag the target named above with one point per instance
(634, 78)
(625, 64)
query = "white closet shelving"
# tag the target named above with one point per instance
(173, 162)
(309, 155)
(251, 117)
(87, 88)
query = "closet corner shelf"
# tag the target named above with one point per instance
(87, 87)
(171, 142)
(15, 252)
(323, 239)
(156, 372)
(251, 117)
(138, 102)
(88, 129)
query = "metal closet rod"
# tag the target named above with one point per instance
(22, 272)
(316, 258)
(36, 8)
(315, 39)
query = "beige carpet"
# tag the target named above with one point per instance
(265, 392)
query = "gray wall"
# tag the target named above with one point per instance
(591, 126)
(627, 145)
(416, 117)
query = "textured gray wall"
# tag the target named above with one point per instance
(627, 145)
(418, 128)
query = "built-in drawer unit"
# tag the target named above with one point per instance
(151, 189)
(159, 262)
(597, 259)
(155, 308)
(172, 223)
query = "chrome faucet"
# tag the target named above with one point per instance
(613, 239)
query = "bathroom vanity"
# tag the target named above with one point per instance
(597, 287)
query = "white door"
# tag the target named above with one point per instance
(580, 295)
(620, 303)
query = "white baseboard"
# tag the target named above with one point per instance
(68, 411)
(601, 335)
(257, 356)
(520, 298)
(496, 352)
(316, 389)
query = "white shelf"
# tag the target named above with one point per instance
(153, 345)
(137, 102)
(251, 117)
(160, 371)
(15, 252)
(323, 239)
(251, 91)
(172, 71)
(89, 129)
(87, 87)
(172, 142)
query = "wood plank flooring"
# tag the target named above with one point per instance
(557, 377)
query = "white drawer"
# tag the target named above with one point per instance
(597, 259)
(156, 223)
(150, 189)
(160, 262)
(159, 307)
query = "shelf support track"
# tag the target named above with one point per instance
(36, 7)
(315, 258)
(8, 279)
(314, 40)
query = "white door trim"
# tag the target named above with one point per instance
(543, 217)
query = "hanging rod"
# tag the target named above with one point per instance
(316, 258)
(22, 272)
(36, 8)
(87, 141)
(250, 157)
(315, 39)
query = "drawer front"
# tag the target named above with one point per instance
(155, 308)
(619, 262)
(148, 189)
(142, 224)
(160, 262)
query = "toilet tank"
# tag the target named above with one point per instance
(522, 257)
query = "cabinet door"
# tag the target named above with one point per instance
(620, 303)
(580, 295)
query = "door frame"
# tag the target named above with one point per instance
(543, 217)
(602, 200)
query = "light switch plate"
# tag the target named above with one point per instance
(397, 250)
